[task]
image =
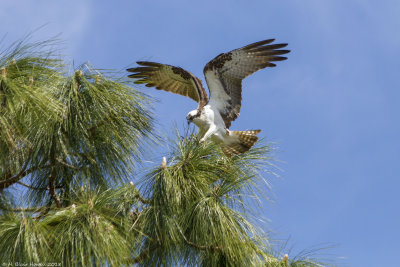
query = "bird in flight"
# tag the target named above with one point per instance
(224, 75)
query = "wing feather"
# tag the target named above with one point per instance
(224, 74)
(171, 79)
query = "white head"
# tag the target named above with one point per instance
(192, 115)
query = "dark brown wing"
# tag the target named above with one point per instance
(171, 79)
(224, 74)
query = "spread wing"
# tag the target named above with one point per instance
(171, 79)
(224, 74)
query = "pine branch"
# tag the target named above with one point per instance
(210, 247)
(67, 165)
(38, 188)
(34, 210)
(138, 196)
(101, 123)
(8, 181)
(201, 247)
(4, 183)
(53, 193)
(142, 199)
(53, 176)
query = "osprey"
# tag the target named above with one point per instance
(224, 75)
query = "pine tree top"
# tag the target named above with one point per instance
(69, 144)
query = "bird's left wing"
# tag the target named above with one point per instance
(224, 74)
(169, 78)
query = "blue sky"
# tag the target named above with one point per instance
(332, 107)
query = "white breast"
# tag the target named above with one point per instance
(206, 118)
(211, 121)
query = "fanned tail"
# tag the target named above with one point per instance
(241, 142)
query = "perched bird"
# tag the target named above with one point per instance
(224, 75)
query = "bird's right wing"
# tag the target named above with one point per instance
(224, 74)
(169, 78)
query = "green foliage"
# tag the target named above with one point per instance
(65, 130)
(69, 142)
(22, 239)
(90, 230)
(197, 200)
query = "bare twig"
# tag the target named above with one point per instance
(4, 183)
(37, 188)
(37, 209)
(54, 195)
(138, 196)
(8, 181)
(142, 199)
(52, 178)
(201, 247)
(67, 165)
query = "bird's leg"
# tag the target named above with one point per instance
(209, 132)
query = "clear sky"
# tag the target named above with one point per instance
(332, 107)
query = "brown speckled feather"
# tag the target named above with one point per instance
(169, 78)
(246, 139)
(224, 74)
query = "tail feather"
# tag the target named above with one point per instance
(243, 141)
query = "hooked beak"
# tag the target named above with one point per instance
(189, 119)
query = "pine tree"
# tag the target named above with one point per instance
(69, 145)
